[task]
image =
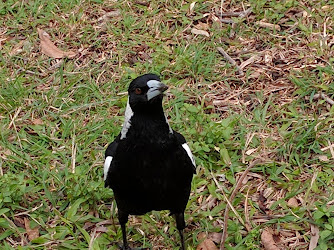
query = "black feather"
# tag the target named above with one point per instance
(150, 169)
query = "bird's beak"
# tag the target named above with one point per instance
(163, 87)
(155, 88)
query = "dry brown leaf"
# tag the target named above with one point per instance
(37, 121)
(17, 48)
(32, 233)
(267, 192)
(326, 7)
(2, 39)
(201, 236)
(267, 240)
(4, 153)
(250, 151)
(207, 244)
(202, 26)
(147, 4)
(49, 49)
(88, 225)
(215, 237)
(314, 237)
(323, 158)
(19, 221)
(108, 15)
(191, 7)
(101, 229)
(269, 25)
(292, 202)
(255, 74)
(200, 32)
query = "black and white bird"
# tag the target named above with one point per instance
(149, 166)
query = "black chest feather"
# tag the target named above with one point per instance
(150, 170)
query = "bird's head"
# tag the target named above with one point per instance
(145, 91)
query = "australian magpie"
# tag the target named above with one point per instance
(149, 166)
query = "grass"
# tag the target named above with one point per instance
(59, 115)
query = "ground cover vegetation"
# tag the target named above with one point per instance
(251, 89)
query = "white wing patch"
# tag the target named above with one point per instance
(127, 124)
(187, 149)
(107, 164)
(170, 129)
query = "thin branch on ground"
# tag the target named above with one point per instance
(230, 59)
(228, 202)
(74, 152)
(236, 189)
(325, 97)
(235, 14)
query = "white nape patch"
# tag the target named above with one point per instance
(107, 164)
(187, 149)
(153, 90)
(127, 117)
(170, 129)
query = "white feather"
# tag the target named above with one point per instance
(127, 124)
(107, 164)
(187, 149)
(170, 129)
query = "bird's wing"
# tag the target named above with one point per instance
(109, 155)
(182, 141)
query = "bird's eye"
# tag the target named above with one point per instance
(138, 91)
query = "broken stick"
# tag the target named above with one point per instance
(230, 59)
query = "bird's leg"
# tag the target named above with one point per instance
(123, 219)
(182, 239)
(180, 225)
(125, 242)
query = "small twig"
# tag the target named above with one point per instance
(249, 138)
(93, 236)
(330, 203)
(249, 61)
(232, 32)
(30, 72)
(31, 210)
(1, 171)
(269, 25)
(81, 107)
(122, 93)
(143, 3)
(15, 228)
(226, 20)
(331, 149)
(328, 147)
(14, 117)
(74, 151)
(228, 202)
(236, 189)
(230, 59)
(12, 123)
(325, 97)
(235, 14)
(114, 13)
(112, 210)
(247, 221)
(295, 238)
